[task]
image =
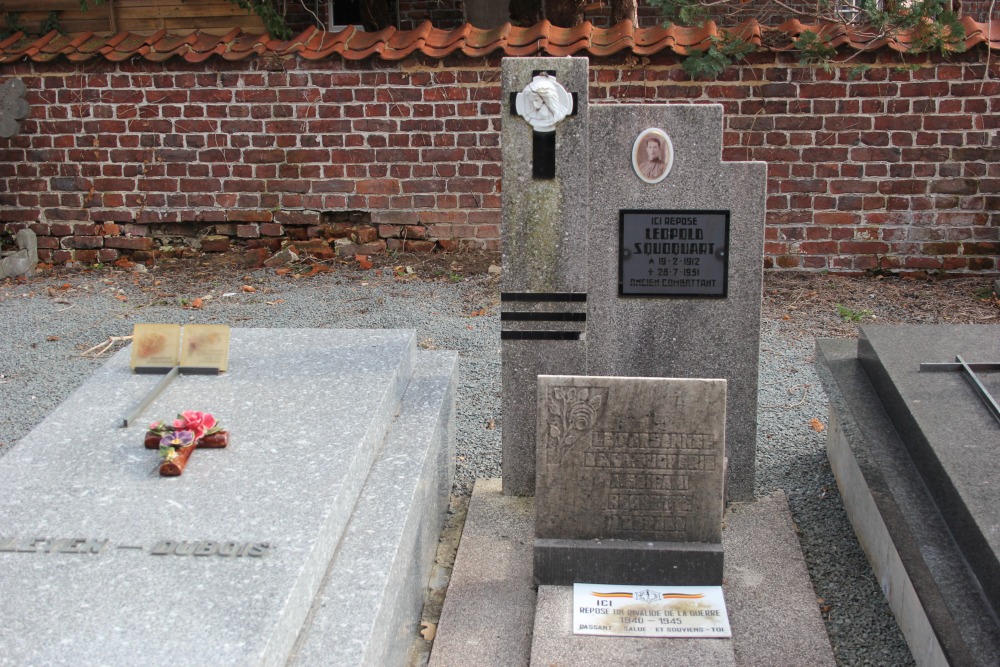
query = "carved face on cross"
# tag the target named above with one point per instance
(544, 102)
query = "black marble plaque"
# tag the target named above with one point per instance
(673, 253)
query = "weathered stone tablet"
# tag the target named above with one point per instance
(630, 476)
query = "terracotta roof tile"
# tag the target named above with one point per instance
(327, 45)
(977, 33)
(392, 44)
(480, 42)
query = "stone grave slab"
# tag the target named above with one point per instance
(368, 610)
(112, 564)
(490, 610)
(912, 453)
(630, 476)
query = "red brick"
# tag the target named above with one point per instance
(383, 186)
(244, 215)
(835, 218)
(316, 248)
(130, 242)
(215, 243)
(419, 246)
(297, 217)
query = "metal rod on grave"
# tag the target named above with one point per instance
(984, 393)
(150, 397)
(969, 372)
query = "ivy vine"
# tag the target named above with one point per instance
(929, 25)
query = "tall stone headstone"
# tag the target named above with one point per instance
(697, 240)
(544, 287)
(630, 475)
(649, 266)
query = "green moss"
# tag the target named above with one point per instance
(535, 232)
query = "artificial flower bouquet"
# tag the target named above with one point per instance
(177, 440)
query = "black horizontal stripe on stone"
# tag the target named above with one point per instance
(539, 335)
(543, 296)
(543, 317)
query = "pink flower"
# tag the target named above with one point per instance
(198, 422)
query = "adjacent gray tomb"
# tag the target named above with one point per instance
(615, 268)
(630, 476)
(309, 540)
(914, 453)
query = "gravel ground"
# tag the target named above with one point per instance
(452, 301)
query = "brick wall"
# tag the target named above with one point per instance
(897, 169)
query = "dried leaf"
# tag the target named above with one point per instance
(249, 288)
(816, 425)
(363, 261)
(786, 316)
(479, 313)
(428, 630)
(319, 268)
(52, 338)
(197, 303)
(491, 425)
(283, 271)
(275, 302)
(121, 297)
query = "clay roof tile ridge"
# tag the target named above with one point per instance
(10, 41)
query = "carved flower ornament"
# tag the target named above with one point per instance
(572, 413)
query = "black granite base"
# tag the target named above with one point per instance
(897, 439)
(565, 562)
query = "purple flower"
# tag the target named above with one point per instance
(177, 439)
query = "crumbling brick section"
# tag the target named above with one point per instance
(888, 168)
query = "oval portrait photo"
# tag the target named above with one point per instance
(652, 155)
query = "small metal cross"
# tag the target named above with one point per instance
(969, 373)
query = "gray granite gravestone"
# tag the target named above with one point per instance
(914, 453)
(616, 267)
(544, 244)
(307, 541)
(630, 475)
(13, 107)
(703, 223)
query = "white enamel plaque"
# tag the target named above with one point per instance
(649, 611)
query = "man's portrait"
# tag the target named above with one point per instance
(652, 155)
